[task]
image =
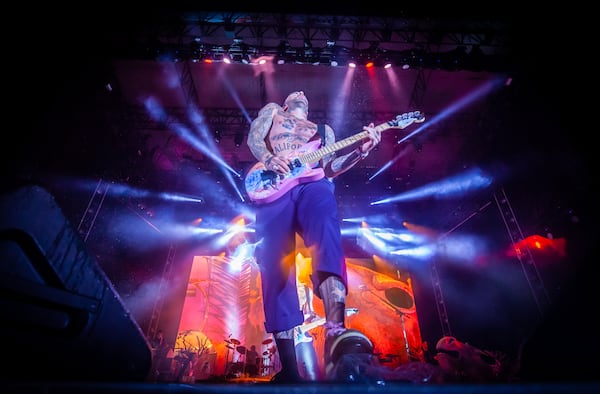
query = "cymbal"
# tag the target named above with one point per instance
(241, 349)
(267, 341)
(233, 340)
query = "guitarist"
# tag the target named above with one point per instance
(310, 209)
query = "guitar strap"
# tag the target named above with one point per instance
(321, 129)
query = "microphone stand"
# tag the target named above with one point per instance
(401, 314)
(228, 345)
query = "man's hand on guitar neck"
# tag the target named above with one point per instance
(373, 138)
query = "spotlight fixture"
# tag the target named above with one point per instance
(330, 54)
(284, 52)
(387, 62)
(354, 59)
(308, 54)
(238, 51)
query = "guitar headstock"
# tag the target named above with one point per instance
(407, 118)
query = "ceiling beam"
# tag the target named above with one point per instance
(425, 43)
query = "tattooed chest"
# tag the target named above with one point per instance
(290, 134)
(286, 142)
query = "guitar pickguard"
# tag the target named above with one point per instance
(266, 185)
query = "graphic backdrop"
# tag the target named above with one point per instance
(222, 316)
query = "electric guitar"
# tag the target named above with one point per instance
(263, 185)
(301, 332)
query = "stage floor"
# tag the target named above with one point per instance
(252, 386)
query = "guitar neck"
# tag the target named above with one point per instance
(313, 157)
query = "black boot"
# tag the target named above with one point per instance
(289, 367)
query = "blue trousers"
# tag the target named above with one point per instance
(309, 209)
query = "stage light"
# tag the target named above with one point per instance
(284, 52)
(330, 54)
(387, 62)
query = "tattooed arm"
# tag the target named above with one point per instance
(259, 128)
(335, 166)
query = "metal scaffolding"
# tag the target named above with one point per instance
(93, 208)
(532, 274)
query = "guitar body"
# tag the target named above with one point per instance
(264, 186)
(301, 333)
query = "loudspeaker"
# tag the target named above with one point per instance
(61, 316)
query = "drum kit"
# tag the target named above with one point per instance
(266, 364)
(230, 344)
(238, 364)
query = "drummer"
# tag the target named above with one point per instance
(252, 361)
